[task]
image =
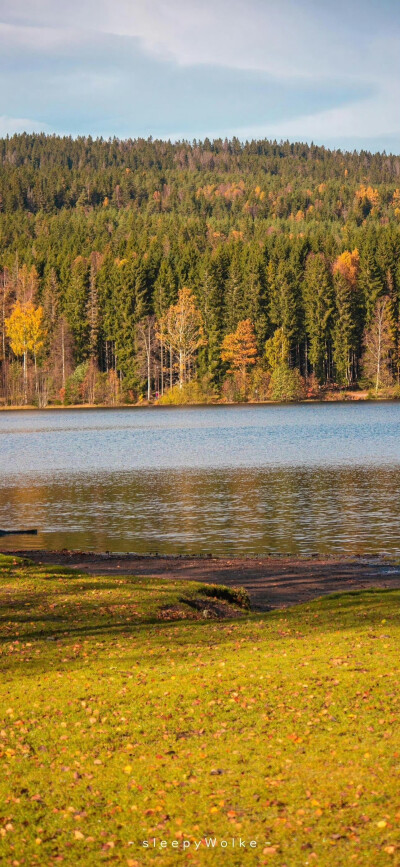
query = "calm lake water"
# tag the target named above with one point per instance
(223, 480)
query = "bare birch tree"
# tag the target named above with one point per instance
(379, 344)
(145, 337)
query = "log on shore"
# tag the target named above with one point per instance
(18, 532)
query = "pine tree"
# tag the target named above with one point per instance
(210, 294)
(277, 350)
(51, 299)
(125, 318)
(234, 307)
(107, 284)
(75, 305)
(388, 256)
(92, 308)
(61, 356)
(285, 304)
(371, 278)
(318, 307)
(255, 296)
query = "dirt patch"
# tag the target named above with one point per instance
(271, 582)
(214, 609)
(200, 609)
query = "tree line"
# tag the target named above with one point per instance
(149, 270)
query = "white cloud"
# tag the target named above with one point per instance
(285, 40)
(37, 38)
(376, 116)
(309, 41)
(11, 125)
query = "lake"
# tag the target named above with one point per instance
(307, 479)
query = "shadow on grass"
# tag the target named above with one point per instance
(358, 610)
(76, 608)
(81, 617)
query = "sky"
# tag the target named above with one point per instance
(326, 71)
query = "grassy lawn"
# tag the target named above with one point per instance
(129, 716)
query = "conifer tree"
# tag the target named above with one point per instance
(51, 299)
(234, 293)
(318, 307)
(92, 308)
(75, 305)
(210, 294)
(371, 279)
(388, 256)
(277, 350)
(285, 304)
(255, 294)
(107, 284)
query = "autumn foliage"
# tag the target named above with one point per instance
(239, 349)
(26, 333)
(347, 265)
(106, 236)
(182, 329)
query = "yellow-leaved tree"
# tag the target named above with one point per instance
(181, 328)
(26, 333)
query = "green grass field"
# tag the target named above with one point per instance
(128, 716)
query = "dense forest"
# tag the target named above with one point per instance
(142, 270)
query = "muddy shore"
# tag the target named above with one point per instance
(271, 582)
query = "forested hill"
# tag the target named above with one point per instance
(99, 238)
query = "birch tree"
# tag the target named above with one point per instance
(26, 333)
(379, 343)
(182, 328)
(145, 342)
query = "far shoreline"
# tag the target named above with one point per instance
(345, 397)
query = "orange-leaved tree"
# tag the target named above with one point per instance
(239, 349)
(181, 328)
(345, 273)
(25, 330)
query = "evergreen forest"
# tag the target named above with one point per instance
(146, 270)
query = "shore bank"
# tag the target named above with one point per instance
(271, 582)
(340, 397)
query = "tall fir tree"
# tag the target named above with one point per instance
(319, 308)
(75, 305)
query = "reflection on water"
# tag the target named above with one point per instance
(308, 479)
(273, 511)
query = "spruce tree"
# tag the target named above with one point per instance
(319, 307)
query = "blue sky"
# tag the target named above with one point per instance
(309, 70)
